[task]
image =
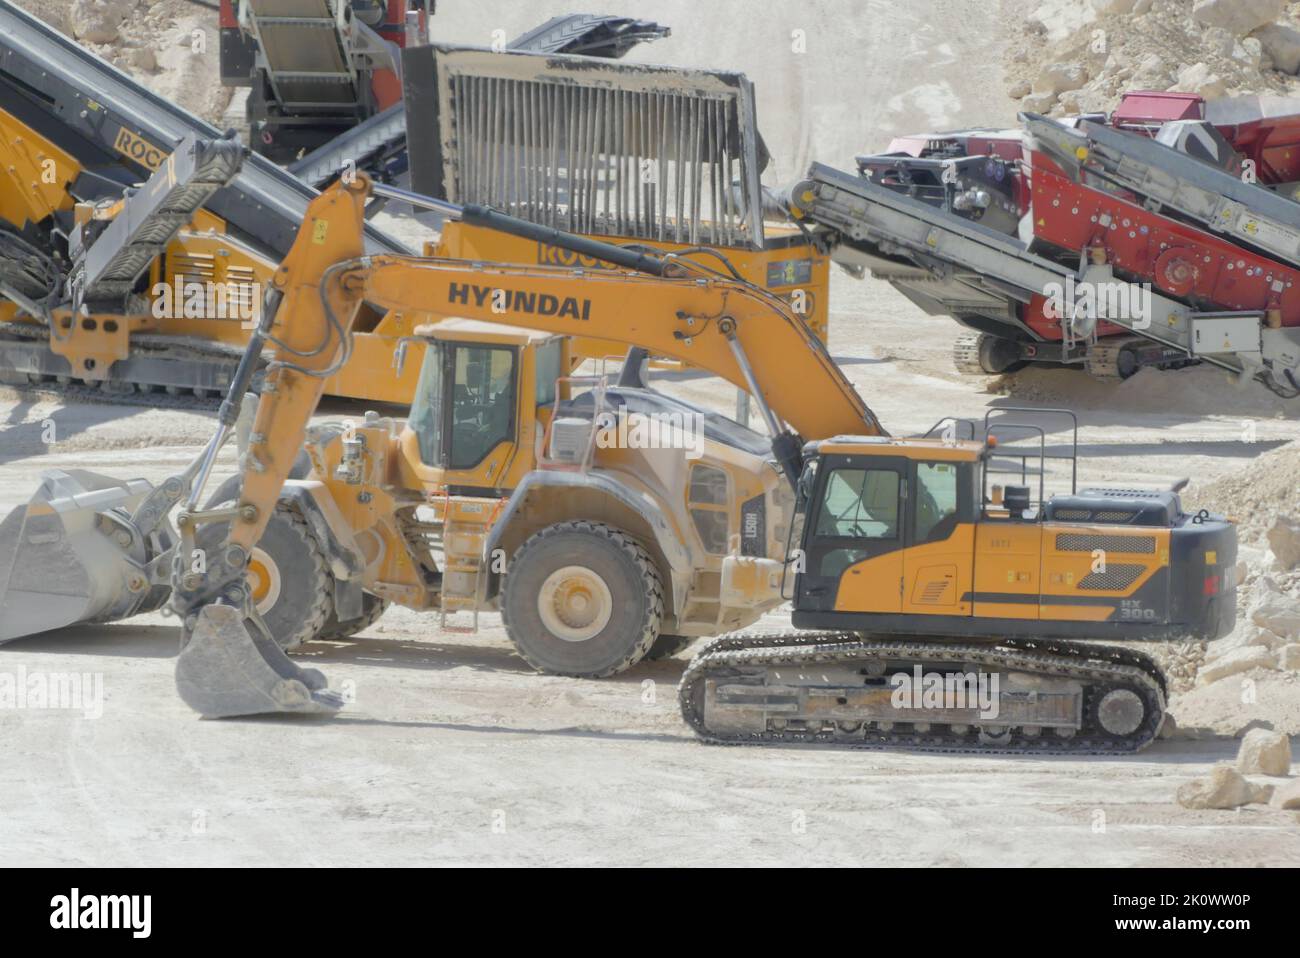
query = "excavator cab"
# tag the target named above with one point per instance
(889, 527)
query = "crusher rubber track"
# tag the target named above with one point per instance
(838, 689)
(160, 373)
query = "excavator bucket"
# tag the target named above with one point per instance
(229, 667)
(71, 555)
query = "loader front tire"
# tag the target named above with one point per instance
(582, 599)
(289, 580)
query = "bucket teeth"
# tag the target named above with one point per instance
(227, 669)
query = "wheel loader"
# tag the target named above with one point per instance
(901, 556)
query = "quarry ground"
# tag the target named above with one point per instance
(454, 752)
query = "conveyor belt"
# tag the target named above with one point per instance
(382, 136)
(92, 108)
(875, 222)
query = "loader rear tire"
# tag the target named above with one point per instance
(582, 599)
(289, 579)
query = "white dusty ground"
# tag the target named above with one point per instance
(453, 752)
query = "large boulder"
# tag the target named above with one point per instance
(97, 21)
(1235, 662)
(1224, 787)
(1038, 103)
(1059, 78)
(1264, 752)
(1243, 634)
(1201, 80)
(1063, 18)
(1288, 657)
(1152, 73)
(1284, 533)
(1282, 44)
(1238, 17)
(1287, 796)
(1276, 611)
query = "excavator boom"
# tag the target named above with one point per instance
(696, 319)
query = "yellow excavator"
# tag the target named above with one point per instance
(932, 608)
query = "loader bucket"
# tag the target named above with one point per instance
(68, 556)
(228, 668)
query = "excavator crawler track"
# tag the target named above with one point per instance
(796, 689)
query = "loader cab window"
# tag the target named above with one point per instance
(464, 403)
(547, 367)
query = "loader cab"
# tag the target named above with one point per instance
(479, 394)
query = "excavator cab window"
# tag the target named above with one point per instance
(936, 502)
(862, 503)
(864, 512)
(464, 403)
(857, 513)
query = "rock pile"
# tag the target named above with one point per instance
(1263, 753)
(1076, 56)
(168, 45)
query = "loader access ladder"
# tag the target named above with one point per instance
(466, 523)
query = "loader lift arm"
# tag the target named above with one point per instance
(229, 664)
